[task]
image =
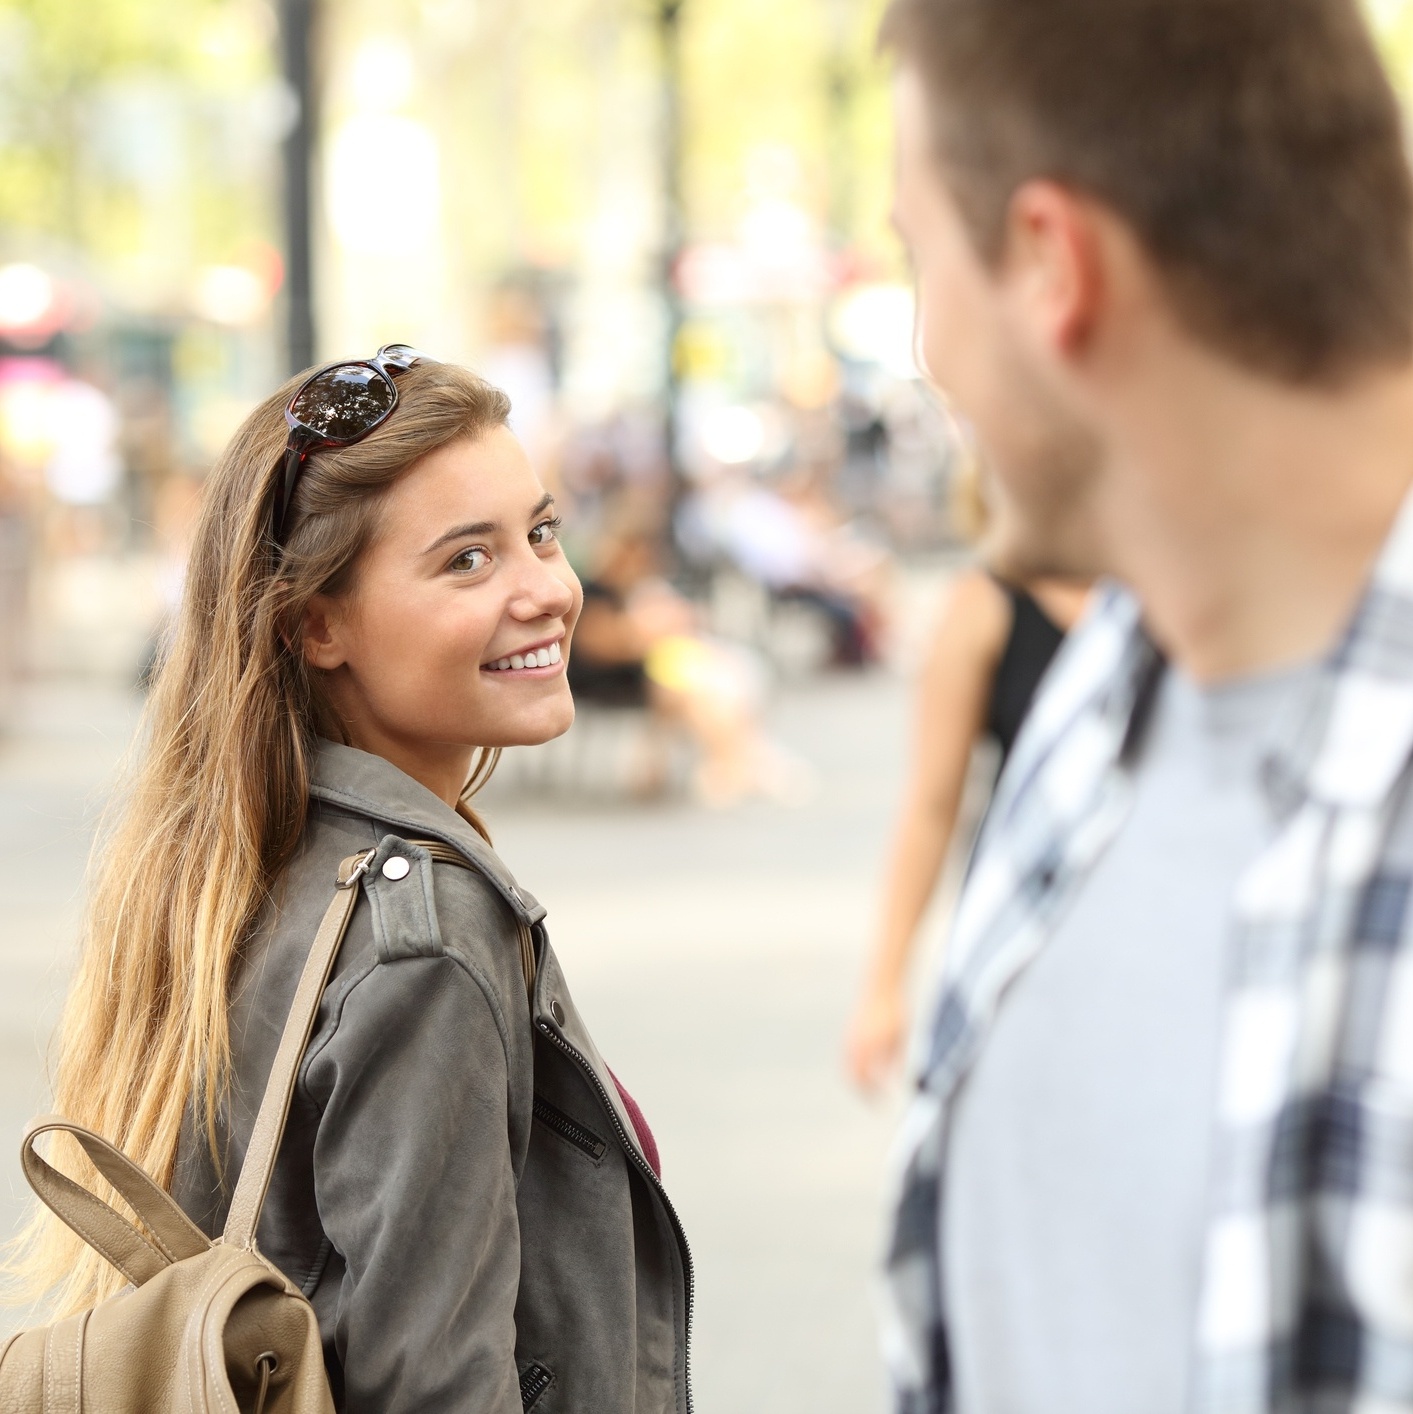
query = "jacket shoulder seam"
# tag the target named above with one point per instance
(477, 976)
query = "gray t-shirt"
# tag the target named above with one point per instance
(1076, 1177)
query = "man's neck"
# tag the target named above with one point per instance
(1248, 514)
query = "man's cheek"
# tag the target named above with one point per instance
(943, 317)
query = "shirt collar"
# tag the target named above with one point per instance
(1356, 737)
(1359, 733)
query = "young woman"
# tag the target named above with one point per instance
(376, 602)
(992, 645)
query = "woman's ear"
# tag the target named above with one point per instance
(321, 633)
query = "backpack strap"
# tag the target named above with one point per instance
(264, 1146)
(170, 1237)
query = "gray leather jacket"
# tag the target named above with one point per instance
(460, 1191)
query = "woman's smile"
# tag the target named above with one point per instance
(538, 660)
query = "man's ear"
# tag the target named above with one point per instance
(322, 632)
(1055, 262)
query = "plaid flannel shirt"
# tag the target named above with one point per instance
(1306, 1295)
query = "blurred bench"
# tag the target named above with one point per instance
(614, 753)
(793, 635)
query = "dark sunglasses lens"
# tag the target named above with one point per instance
(400, 357)
(345, 403)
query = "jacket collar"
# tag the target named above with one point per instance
(369, 785)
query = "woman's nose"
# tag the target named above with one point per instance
(541, 592)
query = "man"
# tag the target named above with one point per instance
(1161, 1156)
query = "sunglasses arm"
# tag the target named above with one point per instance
(293, 461)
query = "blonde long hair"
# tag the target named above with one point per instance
(217, 795)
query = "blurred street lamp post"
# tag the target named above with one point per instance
(669, 27)
(297, 37)
(840, 83)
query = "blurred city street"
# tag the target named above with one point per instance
(714, 954)
(666, 232)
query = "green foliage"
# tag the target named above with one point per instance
(800, 75)
(65, 64)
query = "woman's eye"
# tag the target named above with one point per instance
(544, 532)
(469, 561)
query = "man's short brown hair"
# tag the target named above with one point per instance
(1254, 146)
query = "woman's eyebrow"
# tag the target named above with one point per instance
(460, 532)
(483, 527)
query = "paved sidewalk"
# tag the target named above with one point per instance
(56, 766)
(714, 955)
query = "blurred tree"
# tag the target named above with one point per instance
(133, 132)
(796, 76)
(547, 132)
(57, 52)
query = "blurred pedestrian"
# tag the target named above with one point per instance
(990, 649)
(1159, 1158)
(468, 1197)
(791, 538)
(639, 644)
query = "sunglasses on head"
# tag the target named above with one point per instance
(336, 407)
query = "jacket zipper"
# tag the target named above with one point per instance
(645, 1168)
(569, 1129)
(534, 1381)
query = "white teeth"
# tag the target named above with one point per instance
(538, 658)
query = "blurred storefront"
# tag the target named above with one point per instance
(661, 224)
(139, 277)
(497, 183)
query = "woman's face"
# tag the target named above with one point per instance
(455, 632)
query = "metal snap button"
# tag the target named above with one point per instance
(396, 867)
(557, 1012)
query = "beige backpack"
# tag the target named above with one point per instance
(205, 1327)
